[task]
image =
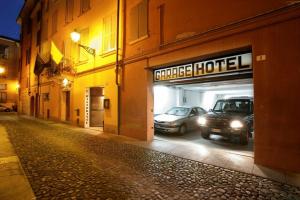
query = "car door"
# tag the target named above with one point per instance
(193, 116)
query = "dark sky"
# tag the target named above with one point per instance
(9, 10)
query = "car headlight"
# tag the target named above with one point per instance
(202, 121)
(236, 124)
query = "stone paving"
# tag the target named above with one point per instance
(62, 163)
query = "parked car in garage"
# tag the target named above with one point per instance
(231, 118)
(178, 119)
(5, 109)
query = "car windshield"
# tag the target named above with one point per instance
(232, 105)
(178, 111)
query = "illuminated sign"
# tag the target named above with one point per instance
(240, 62)
(87, 108)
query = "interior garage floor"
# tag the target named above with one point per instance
(216, 142)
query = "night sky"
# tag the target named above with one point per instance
(9, 10)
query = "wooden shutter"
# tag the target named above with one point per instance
(84, 39)
(134, 23)
(143, 18)
(54, 22)
(69, 10)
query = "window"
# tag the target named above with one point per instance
(139, 21)
(3, 86)
(84, 6)
(4, 50)
(28, 55)
(3, 97)
(109, 33)
(69, 10)
(84, 39)
(54, 22)
(201, 111)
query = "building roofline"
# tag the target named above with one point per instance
(9, 38)
(28, 4)
(19, 15)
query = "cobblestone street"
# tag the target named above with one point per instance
(62, 163)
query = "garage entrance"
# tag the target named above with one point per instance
(226, 97)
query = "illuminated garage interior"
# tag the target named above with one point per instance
(202, 95)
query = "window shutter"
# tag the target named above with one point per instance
(109, 33)
(69, 10)
(143, 18)
(134, 23)
(54, 22)
(84, 39)
(84, 6)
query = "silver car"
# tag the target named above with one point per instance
(178, 119)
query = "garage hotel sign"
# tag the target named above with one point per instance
(240, 62)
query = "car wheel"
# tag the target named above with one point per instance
(205, 134)
(182, 129)
(244, 138)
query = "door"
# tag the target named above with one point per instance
(194, 115)
(32, 105)
(96, 107)
(36, 105)
(67, 105)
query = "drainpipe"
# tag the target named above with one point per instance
(117, 64)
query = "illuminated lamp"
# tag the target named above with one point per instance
(2, 70)
(75, 36)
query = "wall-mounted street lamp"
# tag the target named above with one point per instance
(75, 36)
(2, 70)
(65, 82)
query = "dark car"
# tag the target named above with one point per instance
(178, 119)
(4, 109)
(230, 118)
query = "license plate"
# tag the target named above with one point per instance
(216, 130)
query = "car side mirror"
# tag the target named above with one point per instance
(192, 115)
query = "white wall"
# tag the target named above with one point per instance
(193, 98)
(166, 97)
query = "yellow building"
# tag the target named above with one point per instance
(9, 64)
(65, 79)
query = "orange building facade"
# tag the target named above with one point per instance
(66, 80)
(156, 35)
(9, 66)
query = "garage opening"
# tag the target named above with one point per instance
(207, 102)
(203, 96)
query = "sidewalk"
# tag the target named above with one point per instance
(13, 182)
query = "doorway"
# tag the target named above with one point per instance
(65, 106)
(32, 106)
(96, 107)
(67, 93)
